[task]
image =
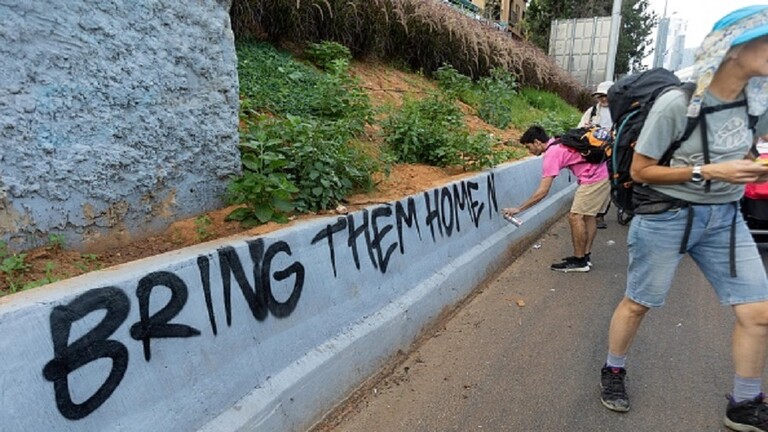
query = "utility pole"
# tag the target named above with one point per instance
(613, 40)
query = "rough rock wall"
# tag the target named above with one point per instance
(116, 117)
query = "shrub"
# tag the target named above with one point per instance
(324, 53)
(432, 131)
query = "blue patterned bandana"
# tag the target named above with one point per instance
(738, 27)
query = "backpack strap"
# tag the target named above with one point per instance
(753, 127)
(687, 88)
(593, 113)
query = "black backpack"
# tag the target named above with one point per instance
(593, 143)
(631, 99)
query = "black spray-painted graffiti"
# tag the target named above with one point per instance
(95, 344)
(443, 209)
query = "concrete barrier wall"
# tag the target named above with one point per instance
(117, 118)
(257, 334)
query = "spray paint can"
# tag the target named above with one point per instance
(513, 220)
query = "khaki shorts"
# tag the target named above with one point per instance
(592, 199)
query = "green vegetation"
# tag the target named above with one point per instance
(303, 141)
(202, 223)
(56, 241)
(422, 35)
(300, 125)
(88, 262)
(499, 102)
(13, 266)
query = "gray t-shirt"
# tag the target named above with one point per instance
(729, 139)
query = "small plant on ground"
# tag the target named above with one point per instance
(263, 189)
(12, 267)
(88, 262)
(49, 277)
(55, 242)
(202, 224)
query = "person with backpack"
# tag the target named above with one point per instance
(599, 115)
(592, 195)
(689, 204)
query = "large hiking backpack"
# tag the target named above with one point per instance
(593, 143)
(631, 99)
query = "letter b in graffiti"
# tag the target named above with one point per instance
(92, 346)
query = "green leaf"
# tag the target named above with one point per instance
(263, 213)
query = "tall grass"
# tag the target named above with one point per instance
(423, 34)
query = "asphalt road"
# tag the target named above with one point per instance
(525, 353)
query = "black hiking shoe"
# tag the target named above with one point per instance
(587, 256)
(571, 264)
(601, 223)
(747, 416)
(613, 393)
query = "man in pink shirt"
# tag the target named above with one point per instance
(592, 195)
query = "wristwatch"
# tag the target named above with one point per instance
(696, 176)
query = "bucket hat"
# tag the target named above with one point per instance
(602, 88)
(736, 28)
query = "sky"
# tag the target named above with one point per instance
(701, 15)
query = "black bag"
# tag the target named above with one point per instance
(593, 143)
(631, 99)
(649, 201)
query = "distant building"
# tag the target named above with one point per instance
(670, 43)
(689, 55)
(507, 13)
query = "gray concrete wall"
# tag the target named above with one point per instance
(257, 334)
(116, 117)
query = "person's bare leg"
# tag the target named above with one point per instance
(750, 339)
(578, 233)
(624, 325)
(590, 223)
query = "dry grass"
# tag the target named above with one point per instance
(422, 34)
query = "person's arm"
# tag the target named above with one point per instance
(647, 170)
(539, 194)
(585, 118)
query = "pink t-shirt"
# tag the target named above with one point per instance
(559, 156)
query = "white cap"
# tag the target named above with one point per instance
(603, 87)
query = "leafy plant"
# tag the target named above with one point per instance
(422, 130)
(456, 85)
(263, 189)
(497, 94)
(323, 54)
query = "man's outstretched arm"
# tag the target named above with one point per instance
(539, 194)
